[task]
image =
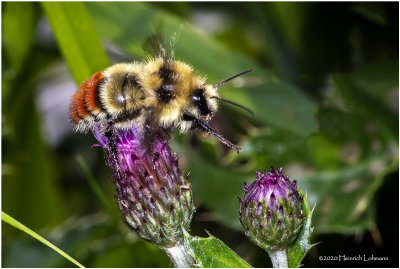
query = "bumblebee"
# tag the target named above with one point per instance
(157, 93)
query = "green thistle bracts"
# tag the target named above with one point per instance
(271, 210)
(153, 196)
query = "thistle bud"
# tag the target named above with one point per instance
(271, 210)
(153, 196)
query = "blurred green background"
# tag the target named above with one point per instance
(324, 89)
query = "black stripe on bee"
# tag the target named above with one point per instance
(127, 116)
(166, 92)
(90, 111)
(98, 99)
(166, 74)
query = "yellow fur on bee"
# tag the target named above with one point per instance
(184, 82)
(114, 96)
(130, 95)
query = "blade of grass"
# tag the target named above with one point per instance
(92, 182)
(13, 222)
(77, 38)
(19, 23)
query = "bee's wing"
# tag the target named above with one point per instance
(155, 46)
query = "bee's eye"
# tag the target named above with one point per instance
(198, 96)
(199, 100)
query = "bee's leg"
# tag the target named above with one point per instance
(204, 127)
(113, 151)
(150, 130)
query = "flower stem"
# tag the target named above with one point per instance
(180, 256)
(278, 258)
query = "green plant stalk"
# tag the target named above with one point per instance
(13, 222)
(77, 38)
(278, 258)
(180, 256)
(92, 182)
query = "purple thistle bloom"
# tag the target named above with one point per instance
(153, 196)
(271, 210)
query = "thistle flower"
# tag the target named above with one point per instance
(153, 196)
(271, 211)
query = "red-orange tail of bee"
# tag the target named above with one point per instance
(85, 102)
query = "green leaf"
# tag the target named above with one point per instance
(269, 147)
(344, 196)
(77, 38)
(213, 253)
(298, 250)
(6, 218)
(372, 92)
(356, 148)
(278, 103)
(291, 18)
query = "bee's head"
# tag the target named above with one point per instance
(201, 99)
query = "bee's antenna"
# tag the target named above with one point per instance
(230, 78)
(234, 103)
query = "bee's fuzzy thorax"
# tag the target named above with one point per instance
(122, 91)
